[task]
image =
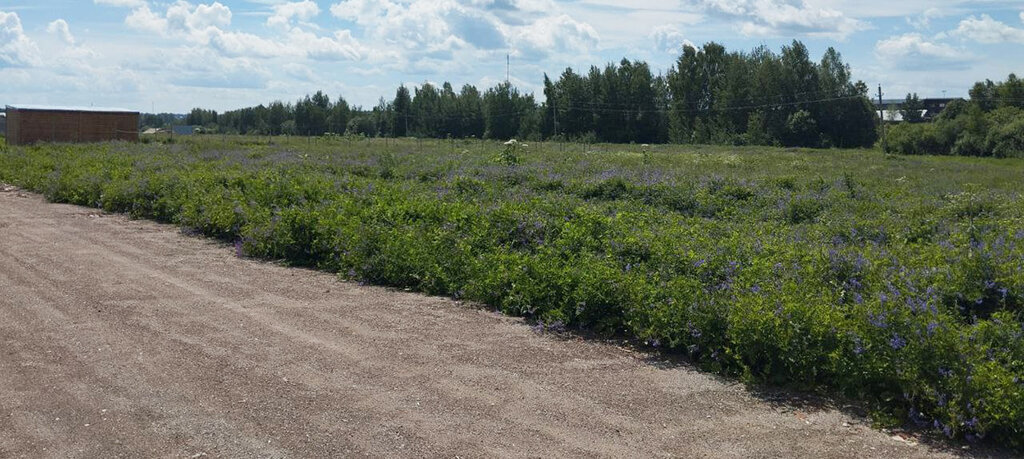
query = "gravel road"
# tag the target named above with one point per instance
(122, 338)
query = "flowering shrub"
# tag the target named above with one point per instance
(897, 281)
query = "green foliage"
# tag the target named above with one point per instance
(990, 124)
(1007, 140)
(764, 98)
(710, 96)
(895, 281)
(911, 110)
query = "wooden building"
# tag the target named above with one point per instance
(30, 124)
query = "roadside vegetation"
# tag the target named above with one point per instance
(895, 280)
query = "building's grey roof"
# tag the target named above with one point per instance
(54, 108)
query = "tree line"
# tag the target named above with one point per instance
(991, 123)
(710, 95)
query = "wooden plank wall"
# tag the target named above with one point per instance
(26, 127)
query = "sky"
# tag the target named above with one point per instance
(171, 56)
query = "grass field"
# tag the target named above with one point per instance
(894, 280)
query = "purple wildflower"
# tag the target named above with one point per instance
(878, 320)
(897, 342)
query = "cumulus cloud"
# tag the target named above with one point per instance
(185, 17)
(440, 28)
(913, 51)
(182, 20)
(61, 29)
(341, 46)
(984, 29)
(146, 20)
(208, 25)
(785, 17)
(285, 12)
(16, 49)
(241, 44)
(669, 39)
(555, 34)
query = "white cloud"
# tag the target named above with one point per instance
(185, 17)
(363, 12)
(923, 21)
(441, 29)
(208, 25)
(285, 12)
(669, 39)
(341, 46)
(146, 20)
(123, 3)
(241, 44)
(988, 30)
(913, 51)
(16, 49)
(556, 34)
(61, 29)
(197, 23)
(785, 18)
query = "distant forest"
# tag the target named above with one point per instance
(710, 95)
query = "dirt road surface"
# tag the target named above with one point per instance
(122, 338)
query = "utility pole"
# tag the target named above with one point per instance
(508, 67)
(881, 116)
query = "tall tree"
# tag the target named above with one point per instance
(401, 112)
(340, 113)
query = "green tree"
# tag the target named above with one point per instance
(472, 111)
(912, 108)
(340, 113)
(984, 95)
(401, 112)
(1011, 92)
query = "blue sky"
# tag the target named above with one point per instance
(174, 55)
